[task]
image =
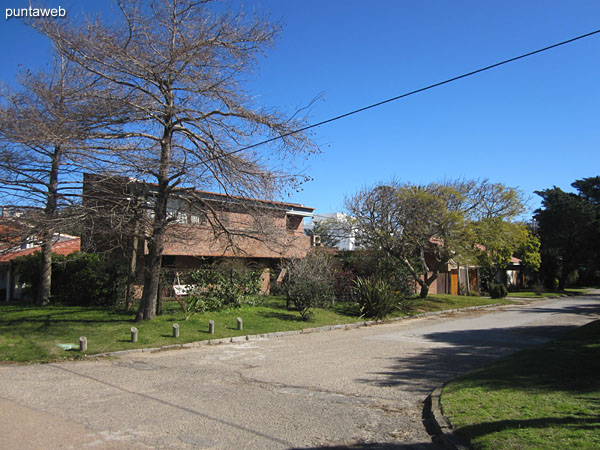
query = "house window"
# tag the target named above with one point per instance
(196, 216)
(181, 217)
(293, 222)
(28, 244)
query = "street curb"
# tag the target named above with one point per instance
(441, 425)
(276, 334)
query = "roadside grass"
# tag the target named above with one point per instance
(547, 397)
(548, 294)
(440, 302)
(32, 334)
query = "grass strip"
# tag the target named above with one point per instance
(548, 294)
(33, 334)
(547, 397)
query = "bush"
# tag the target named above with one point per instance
(343, 284)
(376, 264)
(498, 290)
(220, 287)
(538, 288)
(309, 283)
(277, 288)
(78, 279)
(375, 297)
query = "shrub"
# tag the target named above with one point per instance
(375, 297)
(78, 279)
(343, 284)
(538, 288)
(373, 263)
(221, 287)
(498, 290)
(196, 302)
(85, 279)
(309, 283)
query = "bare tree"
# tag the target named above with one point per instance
(46, 128)
(183, 63)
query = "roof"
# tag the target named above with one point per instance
(65, 246)
(216, 196)
(295, 208)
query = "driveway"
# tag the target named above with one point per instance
(359, 388)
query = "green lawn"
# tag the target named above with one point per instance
(548, 294)
(32, 334)
(439, 302)
(548, 397)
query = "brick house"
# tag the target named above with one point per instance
(204, 227)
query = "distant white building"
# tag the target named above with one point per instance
(341, 229)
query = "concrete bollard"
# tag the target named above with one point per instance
(211, 327)
(240, 324)
(134, 334)
(175, 330)
(83, 344)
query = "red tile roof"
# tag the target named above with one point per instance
(65, 247)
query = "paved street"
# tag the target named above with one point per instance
(361, 388)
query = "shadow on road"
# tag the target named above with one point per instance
(376, 445)
(583, 309)
(460, 352)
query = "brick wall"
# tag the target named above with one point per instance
(202, 240)
(221, 227)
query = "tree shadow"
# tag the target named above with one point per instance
(70, 316)
(287, 316)
(584, 309)
(455, 353)
(375, 445)
(591, 422)
(275, 303)
(349, 309)
(569, 365)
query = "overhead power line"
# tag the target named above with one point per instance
(398, 97)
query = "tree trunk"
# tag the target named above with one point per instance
(45, 270)
(131, 275)
(159, 299)
(562, 281)
(153, 262)
(48, 230)
(147, 310)
(424, 290)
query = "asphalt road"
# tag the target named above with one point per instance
(359, 388)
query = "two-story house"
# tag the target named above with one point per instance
(203, 227)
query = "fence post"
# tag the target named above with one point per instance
(83, 344)
(211, 327)
(175, 330)
(240, 324)
(134, 334)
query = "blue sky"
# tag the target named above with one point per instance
(531, 124)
